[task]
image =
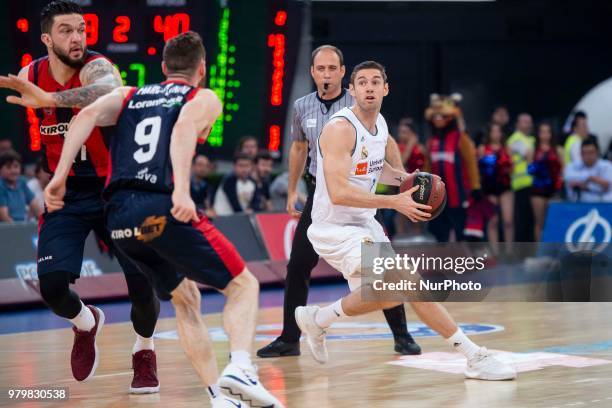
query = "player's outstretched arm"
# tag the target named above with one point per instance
(103, 112)
(196, 118)
(98, 78)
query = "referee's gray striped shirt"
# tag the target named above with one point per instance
(310, 113)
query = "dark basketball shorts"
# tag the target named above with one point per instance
(62, 234)
(167, 250)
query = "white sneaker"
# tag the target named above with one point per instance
(484, 366)
(315, 336)
(226, 402)
(242, 383)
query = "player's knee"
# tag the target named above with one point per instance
(139, 289)
(244, 282)
(143, 297)
(54, 287)
(186, 295)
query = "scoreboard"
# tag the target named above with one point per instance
(248, 63)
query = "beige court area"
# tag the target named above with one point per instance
(357, 374)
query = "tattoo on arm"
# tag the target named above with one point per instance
(98, 78)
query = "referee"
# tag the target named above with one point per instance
(311, 113)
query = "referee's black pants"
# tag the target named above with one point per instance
(302, 261)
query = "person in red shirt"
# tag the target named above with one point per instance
(495, 165)
(546, 171)
(57, 85)
(414, 158)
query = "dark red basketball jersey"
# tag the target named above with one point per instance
(92, 161)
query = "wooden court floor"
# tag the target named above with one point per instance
(357, 374)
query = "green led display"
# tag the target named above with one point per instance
(141, 74)
(220, 78)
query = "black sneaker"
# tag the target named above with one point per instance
(407, 346)
(279, 348)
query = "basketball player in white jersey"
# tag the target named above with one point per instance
(351, 154)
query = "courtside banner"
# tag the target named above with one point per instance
(277, 231)
(20, 245)
(239, 230)
(578, 222)
(477, 272)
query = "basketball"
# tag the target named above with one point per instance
(431, 191)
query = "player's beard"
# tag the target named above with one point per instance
(71, 62)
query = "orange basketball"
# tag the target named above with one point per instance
(431, 191)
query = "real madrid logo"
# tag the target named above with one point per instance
(364, 153)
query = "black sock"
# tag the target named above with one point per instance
(396, 319)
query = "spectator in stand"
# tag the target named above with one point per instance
(521, 146)
(580, 131)
(200, 187)
(495, 167)
(501, 117)
(546, 170)
(38, 183)
(248, 146)
(5, 145)
(412, 152)
(590, 179)
(15, 196)
(414, 157)
(262, 175)
(280, 188)
(238, 191)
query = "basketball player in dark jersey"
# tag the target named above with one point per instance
(153, 219)
(69, 78)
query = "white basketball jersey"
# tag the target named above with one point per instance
(367, 164)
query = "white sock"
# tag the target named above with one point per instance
(241, 358)
(460, 342)
(143, 343)
(327, 315)
(85, 320)
(213, 391)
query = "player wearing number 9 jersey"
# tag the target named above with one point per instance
(153, 220)
(58, 85)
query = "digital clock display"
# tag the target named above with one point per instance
(247, 63)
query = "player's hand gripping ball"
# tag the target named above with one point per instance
(431, 191)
